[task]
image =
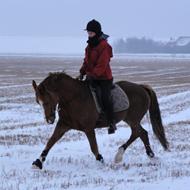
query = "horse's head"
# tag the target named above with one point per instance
(47, 100)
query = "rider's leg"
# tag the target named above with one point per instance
(106, 86)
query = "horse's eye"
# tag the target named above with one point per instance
(45, 103)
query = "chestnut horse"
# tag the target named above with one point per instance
(77, 110)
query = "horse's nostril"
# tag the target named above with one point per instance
(50, 121)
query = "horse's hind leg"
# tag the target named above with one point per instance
(57, 134)
(93, 144)
(121, 150)
(145, 140)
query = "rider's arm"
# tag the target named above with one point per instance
(83, 68)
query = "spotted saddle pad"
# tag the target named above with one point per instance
(119, 98)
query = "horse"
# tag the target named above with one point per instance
(77, 110)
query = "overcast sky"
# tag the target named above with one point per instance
(119, 18)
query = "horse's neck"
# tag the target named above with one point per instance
(70, 89)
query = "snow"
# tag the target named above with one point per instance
(71, 165)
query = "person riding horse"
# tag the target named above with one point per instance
(96, 67)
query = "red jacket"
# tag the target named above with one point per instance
(97, 61)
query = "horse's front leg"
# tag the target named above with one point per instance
(59, 131)
(93, 145)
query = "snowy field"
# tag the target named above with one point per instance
(70, 164)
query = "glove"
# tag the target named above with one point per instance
(80, 77)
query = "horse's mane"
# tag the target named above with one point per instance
(59, 75)
(54, 78)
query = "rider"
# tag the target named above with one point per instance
(96, 67)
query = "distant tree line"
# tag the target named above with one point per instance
(144, 45)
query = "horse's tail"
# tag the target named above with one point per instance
(155, 117)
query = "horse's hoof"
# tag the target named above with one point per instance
(150, 154)
(101, 161)
(111, 131)
(37, 164)
(100, 158)
(119, 155)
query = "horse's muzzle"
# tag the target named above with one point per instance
(50, 120)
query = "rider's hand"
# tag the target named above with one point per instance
(80, 77)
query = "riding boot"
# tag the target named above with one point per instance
(112, 128)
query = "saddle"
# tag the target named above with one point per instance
(119, 99)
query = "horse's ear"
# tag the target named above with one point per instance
(34, 85)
